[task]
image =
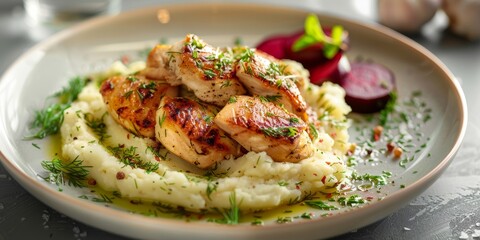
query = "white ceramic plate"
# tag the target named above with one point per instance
(94, 45)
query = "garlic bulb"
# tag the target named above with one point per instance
(464, 16)
(407, 15)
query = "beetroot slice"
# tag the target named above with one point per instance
(274, 46)
(368, 87)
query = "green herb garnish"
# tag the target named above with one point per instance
(280, 131)
(129, 157)
(389, 108)
(352, 201)
(97, 125)
(270, 98)
(104, 199)
(72, 173)
(232, 215)
(48, 120)
(314, 35)
(318, 204)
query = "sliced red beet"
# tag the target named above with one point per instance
(332, 70)
(368, 87)
(312, 58)
(274, 46)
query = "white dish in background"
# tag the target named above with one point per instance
(93, 45)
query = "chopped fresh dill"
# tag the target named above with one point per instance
(208, 118)
(378, 180)
(294, 120)
(226, 83)
(72, 173)
(277, 132)
(132, 78)
(128, 156)
(211, 187)
(352, 201)
(231, 215)
(127, 94)
(246, 55)
(318, 204)
(313, 130)
(97, 125)
(389, 108)
(232, 99)
(161, 119)
(270, 98)
(282, 183)
(47, 121)
(284, 220)
(257, 222)
(209, 73)
(104, 199)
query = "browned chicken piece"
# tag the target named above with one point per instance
(266, 76)
(259, 125)
(158, 65)
(133, 101)
(209, 72)
(186, 128)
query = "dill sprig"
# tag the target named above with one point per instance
(72, 173)
(352, 201)
(389, 108)
(130, 157)
(231, 215)
(319, 204)
(97, 125)
(280, 131)
(47, 121)
(270, 98)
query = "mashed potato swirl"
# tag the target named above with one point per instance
(257, 181)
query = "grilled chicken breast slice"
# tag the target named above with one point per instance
(186, 128)
(209, 72)
(264, 75)
(259, 125)
(158, 65)
(133, 101)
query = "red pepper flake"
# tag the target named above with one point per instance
(125, 59)
(369, 198)
(329, 195)
(128, 136)
(390, 146)
(320, 140)
(120, 175)
(297, 187)
(315, 174)
(91, 182)
(328, 163)
(376, 137)
(323, 179)
(333, 135)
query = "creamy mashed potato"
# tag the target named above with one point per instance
(258, 181)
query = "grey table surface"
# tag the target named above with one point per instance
(449, 209)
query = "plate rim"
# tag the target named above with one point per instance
(43, 192)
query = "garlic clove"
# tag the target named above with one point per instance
(407, 15)
(464, 17)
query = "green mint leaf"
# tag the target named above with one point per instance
(313, 28)
(303, 42)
